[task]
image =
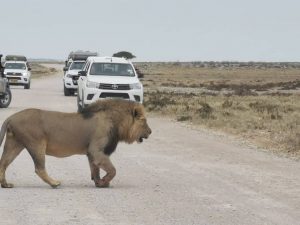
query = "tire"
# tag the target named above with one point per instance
(72, 92)
(27, 86)
(67, 91)
(5, 101)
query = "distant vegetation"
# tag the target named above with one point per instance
(124, 54)
(233, 64)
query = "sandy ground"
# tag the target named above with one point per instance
(178, 176)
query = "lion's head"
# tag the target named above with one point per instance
(127, 116)
(139, 129)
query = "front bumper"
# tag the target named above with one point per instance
(18, 80)
(71, 82)
(91, 95)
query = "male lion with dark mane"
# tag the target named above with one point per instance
(94, 132)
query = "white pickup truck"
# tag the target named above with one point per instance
(74, 64)
(108, 77)
(17, 71)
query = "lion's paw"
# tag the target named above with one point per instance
(7, 185)
(101, 184)
(55, 184)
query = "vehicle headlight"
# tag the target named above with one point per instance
(24, 74)
(69, 75)
(91, 84)
(135, 86)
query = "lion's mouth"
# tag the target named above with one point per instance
(141, 139)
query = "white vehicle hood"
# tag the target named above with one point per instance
(73, 72)
(113, 79)
(14, 71)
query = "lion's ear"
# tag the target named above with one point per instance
(137, 112)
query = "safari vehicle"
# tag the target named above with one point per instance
(5, 93)
(74, 64)
(108, 77)
(17, 70)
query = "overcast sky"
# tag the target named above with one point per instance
(153, 30)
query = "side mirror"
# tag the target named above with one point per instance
(65, 68)
(82, 73)
(29, 68)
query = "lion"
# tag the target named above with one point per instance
(95, 132)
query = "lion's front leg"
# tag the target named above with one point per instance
(101, 160)
(110, 170)
(95, 170)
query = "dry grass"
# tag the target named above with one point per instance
(260, 105)
(177, 75)
(39, 70)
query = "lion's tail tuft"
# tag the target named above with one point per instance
(3, 130)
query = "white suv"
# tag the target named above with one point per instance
(71, 77)
(108, 77)
(18, 73)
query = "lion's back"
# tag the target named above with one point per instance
(26, 122)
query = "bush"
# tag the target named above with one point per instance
(184, 118)
(205, 111)
(157, 101)
(227, 104)
(270, 109)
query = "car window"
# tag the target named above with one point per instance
(77, 66)
(18, 66)
(112, 69)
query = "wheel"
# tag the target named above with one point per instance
(67, 91)
(72, 92)
(6, 99)
(27, 86)
(79, 107)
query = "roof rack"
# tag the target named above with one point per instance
(81, 55)
(15, 58)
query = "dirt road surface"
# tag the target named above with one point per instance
(178, 176)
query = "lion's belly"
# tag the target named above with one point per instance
(66, 145)
(64, 151)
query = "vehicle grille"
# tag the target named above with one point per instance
(114, 86)
(16, 74)
(114, 95)
(14, 78)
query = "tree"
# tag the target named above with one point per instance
(124, 54)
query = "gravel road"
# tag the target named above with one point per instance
(177, 176)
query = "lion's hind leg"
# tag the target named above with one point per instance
(38, 156)
(12, 149)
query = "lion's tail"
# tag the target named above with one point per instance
(3, 130)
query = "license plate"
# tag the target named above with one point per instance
(13, 81)
(114, 97)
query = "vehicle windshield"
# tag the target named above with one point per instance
(112, 69)
(77, 66)
(18, 66)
